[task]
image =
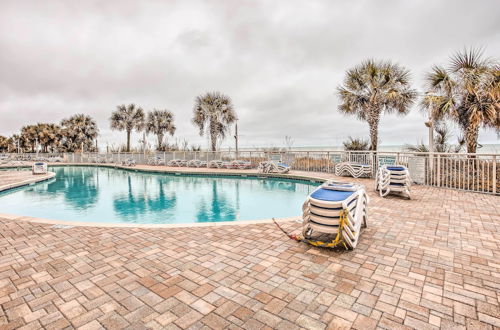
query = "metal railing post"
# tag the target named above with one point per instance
(327, 162)
(438, 177)
(494, 177)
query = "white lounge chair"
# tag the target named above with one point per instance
(129, 162)
(39, 168)
(356, 170)
(393, 179)
(177, 163)
(215, 164)
(336, 208)
(196, 163)
(241, 164)
(155, 160)
(273, 167)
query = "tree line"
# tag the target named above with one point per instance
(213, 113)
(466, 91)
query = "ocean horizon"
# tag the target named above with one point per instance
(490, 148)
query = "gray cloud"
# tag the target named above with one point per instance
(280, 61)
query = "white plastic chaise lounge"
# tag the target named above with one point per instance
(336, 208)
(156, 160)
(39, 168)
(177, 163)
(356, 170)
(393, 179)
(273, 167)
(129, 162)
(196, 163)
(215, 164)
(241, 164)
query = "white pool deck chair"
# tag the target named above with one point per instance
(39, 168)
(241, 164)
(273, 167)
(156, 160)
(336, 208)
(193, 163)
(356, 170)
(215, 163)
(129, 162)
(393, 179)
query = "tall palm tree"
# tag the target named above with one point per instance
(77, 130)
(127, 118)
(49, 135)
(213, 113)
(160, 122)
(373, 88)
(468, 92)
(4, 143)
(28, 137)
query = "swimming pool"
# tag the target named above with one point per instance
(109, 195)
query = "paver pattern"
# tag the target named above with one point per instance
(426, 263)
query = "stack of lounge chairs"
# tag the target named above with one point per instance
(128, 162)
(338, 209)
(215, 164)
(196, 163)
(356, 170)
(241, 164)
(156, 160)
(273, 167)
(393, 179)
(177, 163)
(39, 168)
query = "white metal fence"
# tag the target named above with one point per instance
(471, 172)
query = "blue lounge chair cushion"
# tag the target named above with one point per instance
(284, 165)
(395, 168)
(331, 195)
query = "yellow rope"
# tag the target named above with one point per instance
(337, 241)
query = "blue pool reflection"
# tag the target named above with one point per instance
(99, 194)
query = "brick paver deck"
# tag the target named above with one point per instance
(429, 262)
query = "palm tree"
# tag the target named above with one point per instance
(4, 143)
(356, 144)
(374, 87)
(468, 92)
(440, 142)
(78, 130)
(29, 135)
(127, 118)
(160, 122)
(49, 135)
(213, 113)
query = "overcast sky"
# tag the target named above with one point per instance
(279, 61)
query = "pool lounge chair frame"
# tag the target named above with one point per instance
(273, 167)
(356, 170)
(324, 216)
(393, 179)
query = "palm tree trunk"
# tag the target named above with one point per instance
(213, 136)
(471, 135)
(128, 141)
(373, 123)
(160, 141)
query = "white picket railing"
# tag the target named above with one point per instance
(471, 172)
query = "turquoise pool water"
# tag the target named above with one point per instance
(108, 195)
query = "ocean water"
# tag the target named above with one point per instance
(97, 194)
(484, 149)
